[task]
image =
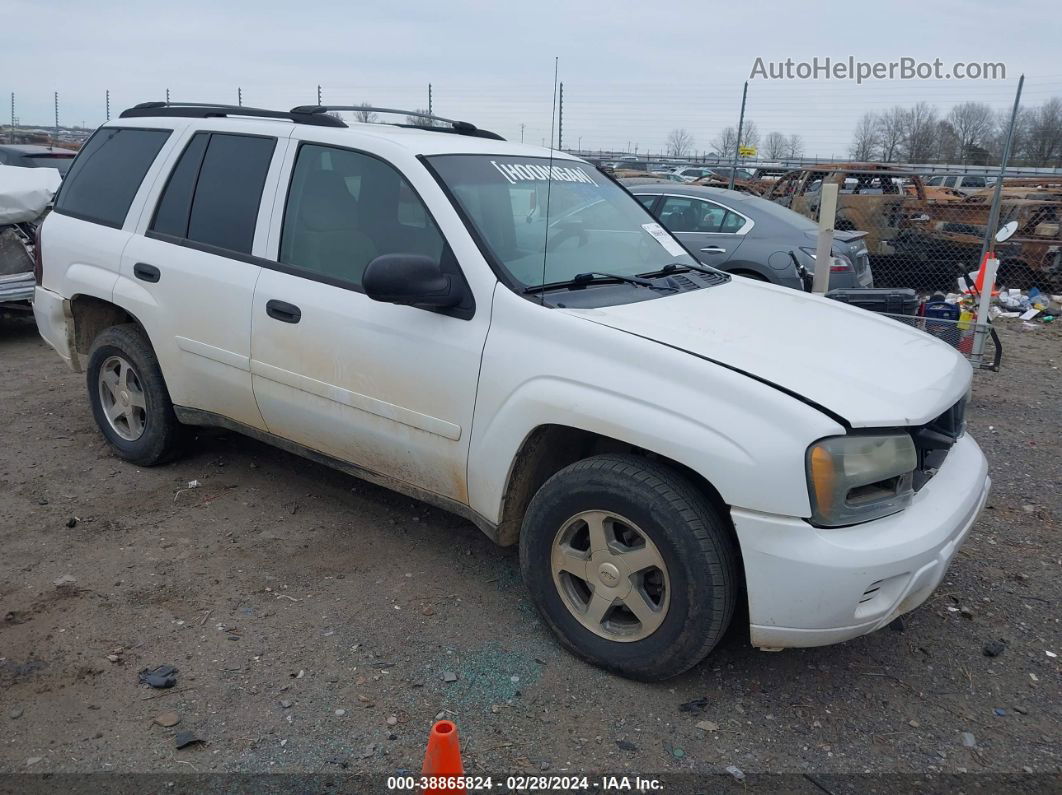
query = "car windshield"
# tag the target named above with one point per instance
(593, 224)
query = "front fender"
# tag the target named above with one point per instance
(746, 438)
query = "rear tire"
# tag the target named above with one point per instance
(630, 565)
(129, 399)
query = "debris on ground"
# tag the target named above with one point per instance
(994, 648)
(968, 740)
(65, 581)
(15, 713)
(449, 676)
(161, 677)
(167, 719)
(625, 745)
(184, 739)
(736, 772)
(697, 705)
(71, 522)
(707, 726)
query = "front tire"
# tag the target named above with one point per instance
(630, 565)
(129, 399)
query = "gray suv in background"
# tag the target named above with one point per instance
(749, 236)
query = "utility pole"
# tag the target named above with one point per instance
(239, 96)
(429, 100)
(11, 134)
(522, 125)
(167, 96)
(318, 94)
(108, 105)
(997, 191)
(560, 119)
(56, 114)
(737, 143)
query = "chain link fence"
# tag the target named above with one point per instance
(924, 230)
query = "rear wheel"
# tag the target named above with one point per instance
(630, 565)
(129, 399)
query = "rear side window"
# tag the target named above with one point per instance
(213, 194)
(105, 177)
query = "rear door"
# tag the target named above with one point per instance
(708, 229)
(190, 274)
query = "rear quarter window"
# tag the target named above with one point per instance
(107, 172)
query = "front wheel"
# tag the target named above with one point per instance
(630, 565)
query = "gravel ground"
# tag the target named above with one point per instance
(312, 619)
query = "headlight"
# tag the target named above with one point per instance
(853, 479)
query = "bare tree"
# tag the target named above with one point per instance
(865, 141)
(973, 124)
(890, 133)
(946, 144)
(918, 124)
(419, 121)
(750, 134)
(1043, 144)
(366, 116)
(795, 147)
(775, 145)
(679, 143)
(723, 144)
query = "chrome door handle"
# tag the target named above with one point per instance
(713, 250)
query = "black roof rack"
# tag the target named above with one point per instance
(199, 110)
(458, 127)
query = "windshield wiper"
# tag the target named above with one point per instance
(675, 267)
(591, 277)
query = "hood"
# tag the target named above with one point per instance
(870, 370)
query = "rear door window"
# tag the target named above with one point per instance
(105, 177)
(215, 190)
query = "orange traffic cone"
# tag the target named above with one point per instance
(443, 758)
(979, 282)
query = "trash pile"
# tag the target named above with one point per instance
(1028, 307)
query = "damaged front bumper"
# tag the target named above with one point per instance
(811, 586)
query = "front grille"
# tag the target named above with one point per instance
(934, 439)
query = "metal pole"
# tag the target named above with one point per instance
(108, 104)
(57, 114)
(429, 100)
(522, 125)
(737, 143)
(560, 119)
(239, 96)
(12, 135)
(823, 251)
(981, 326)
(318, 94)
(167, 96)
(997, 191)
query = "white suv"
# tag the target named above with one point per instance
(505, 332)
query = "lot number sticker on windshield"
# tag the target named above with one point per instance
(664, 239)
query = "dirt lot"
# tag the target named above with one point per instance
(312, 618)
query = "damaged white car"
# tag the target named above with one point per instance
(503, 331)
(25, 194)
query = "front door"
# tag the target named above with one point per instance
(387, 388)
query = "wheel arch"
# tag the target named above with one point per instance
(549, 448)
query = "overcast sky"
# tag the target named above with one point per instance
(631, 71)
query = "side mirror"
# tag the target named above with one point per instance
(411, 280)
